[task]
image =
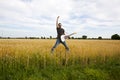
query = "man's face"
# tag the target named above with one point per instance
(60, 25)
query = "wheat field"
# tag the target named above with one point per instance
(31, 59)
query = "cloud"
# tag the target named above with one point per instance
(75, 15)
(100, 10)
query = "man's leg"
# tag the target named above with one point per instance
(56, 44)
(66, 47)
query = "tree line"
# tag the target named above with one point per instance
(113, 37)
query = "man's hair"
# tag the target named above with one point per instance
(60, 25)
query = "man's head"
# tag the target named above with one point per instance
(60, 25)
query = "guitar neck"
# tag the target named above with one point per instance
(71, 34)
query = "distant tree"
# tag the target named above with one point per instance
(41, 37)
(84, 37)
(69, 37)
(72, 37)
(99, 37)
(44, 37)
(78, 38)
(50, 37)
(115, 37)
(32, 37)
(26, 37)
(47, 38)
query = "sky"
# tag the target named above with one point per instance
(36, 18)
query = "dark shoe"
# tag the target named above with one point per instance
(67, 50)
(52, 50)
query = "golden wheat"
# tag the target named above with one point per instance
(83, 49)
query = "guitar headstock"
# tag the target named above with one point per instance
(75, 33)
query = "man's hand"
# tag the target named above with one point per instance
(58, 17)
(57, 22)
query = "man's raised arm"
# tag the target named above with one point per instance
(57, 26)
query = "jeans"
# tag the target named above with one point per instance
(58, 41)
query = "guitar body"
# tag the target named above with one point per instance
(64, 37)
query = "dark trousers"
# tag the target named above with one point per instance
(58, 41)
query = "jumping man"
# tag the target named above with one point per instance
(60, 31)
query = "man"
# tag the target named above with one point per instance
(60, 31)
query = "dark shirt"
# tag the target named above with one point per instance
(60, 31)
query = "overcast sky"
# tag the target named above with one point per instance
(20, 18)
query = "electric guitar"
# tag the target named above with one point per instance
(64, 37)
